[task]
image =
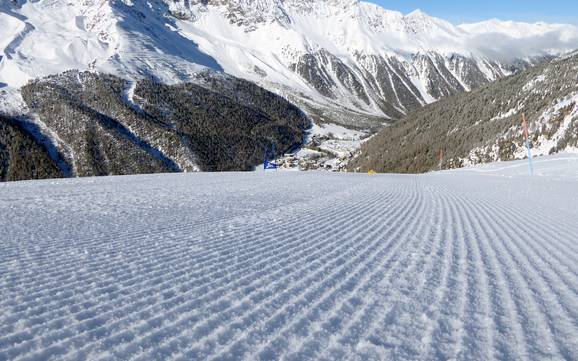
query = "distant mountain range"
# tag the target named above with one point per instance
(343, 61)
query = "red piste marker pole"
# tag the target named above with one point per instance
(527, 142)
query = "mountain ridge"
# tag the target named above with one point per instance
(342, 61)
(338, 69)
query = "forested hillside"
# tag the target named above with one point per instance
(484, 125)
(21, 155)
(105, 125)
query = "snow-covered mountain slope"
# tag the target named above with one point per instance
(356, 57)
(469, 265)
(484, 125)
(342, 60)
(51, 36)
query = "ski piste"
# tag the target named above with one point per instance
(293, 265)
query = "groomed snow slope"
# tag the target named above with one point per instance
(469, 265)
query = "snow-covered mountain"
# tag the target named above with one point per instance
(342, 60)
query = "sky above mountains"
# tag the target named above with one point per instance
(460, 11)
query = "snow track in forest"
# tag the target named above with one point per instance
(263, 266)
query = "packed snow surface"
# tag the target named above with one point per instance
(475, 264)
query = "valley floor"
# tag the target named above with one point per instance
(472, 264)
